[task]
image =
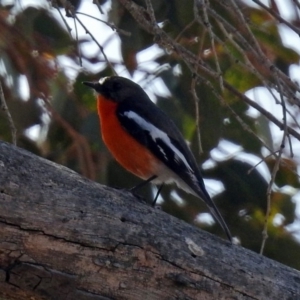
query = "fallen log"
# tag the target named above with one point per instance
(65, 237)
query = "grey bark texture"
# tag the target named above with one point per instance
(65, 237)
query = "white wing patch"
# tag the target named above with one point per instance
(163, 152)
(155, 134)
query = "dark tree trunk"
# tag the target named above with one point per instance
(65, 237)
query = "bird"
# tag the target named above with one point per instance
(145, 141)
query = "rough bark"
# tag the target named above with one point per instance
(65, 237)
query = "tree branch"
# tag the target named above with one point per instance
(4, 108)
(143, 18)
(65, 237)
(277, 16)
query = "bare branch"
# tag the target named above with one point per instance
(278, 17)
(204, 4)
(77, 44)
(263, 111)
(112, 26)
(260, 57)
(194, 62)
(55, 5)
(70, 9)
(96, 2)
(196, 101)
(6, 111)
(296, 3)
(274, 172)
(80, 143)
(249, 130)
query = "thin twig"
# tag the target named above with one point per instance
(77, 43)
(96, 2)
(151, 13)
(274, 171)
(70, 9)
(80, 143)
(249, 130)
(166, 42)
(263, 111)
(55, 5)
(248, 65)
(297, 3)
(204, 5)
(250, 33)
(196, 101)
(276, 16)
(196, 98)
(238, 118)
(6, 111)
(112, 26)
(260, 59)
(262, 160)
(183, 30)
(100, 47)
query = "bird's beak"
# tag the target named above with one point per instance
(93, 85)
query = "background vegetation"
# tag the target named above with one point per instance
(207, 60)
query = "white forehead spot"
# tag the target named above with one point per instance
(102, 80)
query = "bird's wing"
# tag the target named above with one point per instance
(167, 149)
(165, 141)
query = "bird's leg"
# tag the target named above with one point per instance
(143, 183)
(157, 194)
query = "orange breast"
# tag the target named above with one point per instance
(126, 150)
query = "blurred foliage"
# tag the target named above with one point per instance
(31, 39)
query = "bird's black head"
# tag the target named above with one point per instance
(116, 88)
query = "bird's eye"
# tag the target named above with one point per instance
(117, 86)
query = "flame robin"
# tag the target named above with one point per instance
(145, 141)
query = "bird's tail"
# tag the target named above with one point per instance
(214, 211)
(218, 217)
